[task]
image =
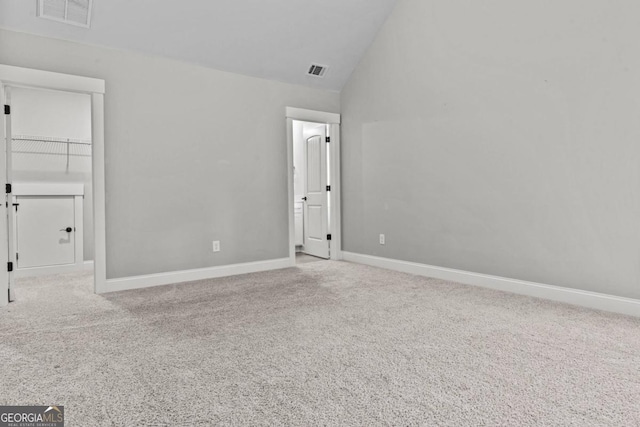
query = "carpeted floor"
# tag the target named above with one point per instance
(325, 343)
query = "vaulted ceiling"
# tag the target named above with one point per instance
(272, 39)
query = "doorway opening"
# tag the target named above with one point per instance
(311, 190)
(49, 166)
(52, 164)
(314, 186)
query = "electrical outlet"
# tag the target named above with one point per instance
(382, 239)
(216, 246)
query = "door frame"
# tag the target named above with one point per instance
(335, 226)
(28, 77)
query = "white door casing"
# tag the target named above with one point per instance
(316, 211)
(332, 120)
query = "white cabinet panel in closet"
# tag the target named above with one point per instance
(45, 231)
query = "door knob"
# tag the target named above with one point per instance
(304, 198)
(68, 229)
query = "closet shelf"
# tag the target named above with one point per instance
(50, 139)
(48, 146)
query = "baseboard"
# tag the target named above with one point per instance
(589, 299)
(149, 280)
(49, 270)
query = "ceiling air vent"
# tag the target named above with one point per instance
(74, 12)
(317, 70)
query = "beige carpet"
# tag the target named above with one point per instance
(325, 343)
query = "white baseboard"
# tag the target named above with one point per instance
(589, 299)
(54, 269)
(149, 280)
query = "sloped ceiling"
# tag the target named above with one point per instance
(272, 39)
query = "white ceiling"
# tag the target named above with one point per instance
(273, 39)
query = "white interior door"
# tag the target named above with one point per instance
(5, 128)
(9, 197)
(316, 211)
(45, 230)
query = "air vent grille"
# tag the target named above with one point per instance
(74, 12)
(317, 70)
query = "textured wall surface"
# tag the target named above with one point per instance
(501, 138)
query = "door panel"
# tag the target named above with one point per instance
(41, 231)
(314, 230)
(316, 211)
(314, 160)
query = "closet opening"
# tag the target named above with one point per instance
(49, 166)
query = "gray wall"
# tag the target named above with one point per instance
(55, 114)
(501, 138)
(192, 155)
